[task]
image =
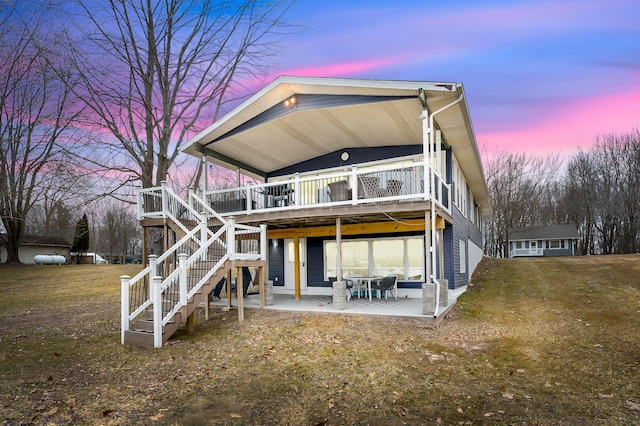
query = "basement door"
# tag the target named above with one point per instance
(289, 264)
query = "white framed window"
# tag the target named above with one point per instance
(378, 257)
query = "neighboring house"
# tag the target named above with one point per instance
(556, 240)
(33, 245)
(371, 177)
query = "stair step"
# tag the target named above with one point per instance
(143, 339)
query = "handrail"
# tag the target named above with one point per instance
(170, 295)
(393, 182)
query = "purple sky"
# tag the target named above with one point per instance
(540, 76)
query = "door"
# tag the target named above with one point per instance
(533, 247)
(289, 264)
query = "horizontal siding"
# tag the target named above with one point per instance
(461, 232)
(356, 156)
(276, 263)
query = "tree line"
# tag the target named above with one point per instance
(597, 190)
(96, 96)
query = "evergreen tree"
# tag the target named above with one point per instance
(81, 239)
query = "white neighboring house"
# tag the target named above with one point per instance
(33, 245)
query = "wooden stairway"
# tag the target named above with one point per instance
(140, 332)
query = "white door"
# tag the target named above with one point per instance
(533, 247)
(289, 269)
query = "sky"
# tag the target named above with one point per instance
(541, 77)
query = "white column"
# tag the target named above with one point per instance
(156, 300)
(205, 176)
(124, 305)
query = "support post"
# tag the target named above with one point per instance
(153, 270)
(338, 249)
(182, 282)
(156, 301)
(205, 177)
(231, 236)
(296, 265)
(124, 305)
(240, 293)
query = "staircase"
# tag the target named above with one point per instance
(159, 299)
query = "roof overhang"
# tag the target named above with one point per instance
(295, 119)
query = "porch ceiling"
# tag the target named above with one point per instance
(263, 135)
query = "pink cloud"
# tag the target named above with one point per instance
(573, 126)
(344, 68)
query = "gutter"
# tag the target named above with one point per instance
(432, 190)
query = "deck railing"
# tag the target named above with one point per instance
(173, 278)
(352, 187)
(526, 252)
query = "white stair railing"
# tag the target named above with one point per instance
(189, 263)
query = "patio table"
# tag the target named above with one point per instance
(368, 281)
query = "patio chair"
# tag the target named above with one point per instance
(339, 191)
(388, 283)
(393, 187)
(351, 280)
(368, 187)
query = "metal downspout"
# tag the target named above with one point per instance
(432, 200)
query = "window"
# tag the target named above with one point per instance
(463, 257)
(355, 258)
(555, 244)
(378, 257)
(518, 244)
(388, 257)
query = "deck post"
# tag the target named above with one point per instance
(124, 305)
(182, 264)
(156, 301)
(153, 270)
(339, 286)
(205, 175)
(240, 293)
(296, 266)
(231, 237)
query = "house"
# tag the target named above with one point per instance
(556, 240)
(346, 176)
(34, 245)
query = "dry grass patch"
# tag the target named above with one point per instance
(534, 341)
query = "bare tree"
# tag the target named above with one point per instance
(580, 199)
(120, 231)
(521, 191)
(160, 71)
(36, 112)
(602, 188)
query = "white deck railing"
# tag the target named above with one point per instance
(526, 252)
(319, 190)
(172, 278)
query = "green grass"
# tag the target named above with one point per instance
(533, 341)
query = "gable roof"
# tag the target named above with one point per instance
(266, 133)
(544, 232)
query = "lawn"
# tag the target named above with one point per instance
(534, 341)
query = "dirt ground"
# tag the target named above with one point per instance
(533, 342)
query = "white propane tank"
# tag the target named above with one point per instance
(49, 259)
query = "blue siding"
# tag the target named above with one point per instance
(461, 232)
(276, 263)
(557, 252)
(448, 255)
(475, 233)
(356, 156)
(315, 263)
